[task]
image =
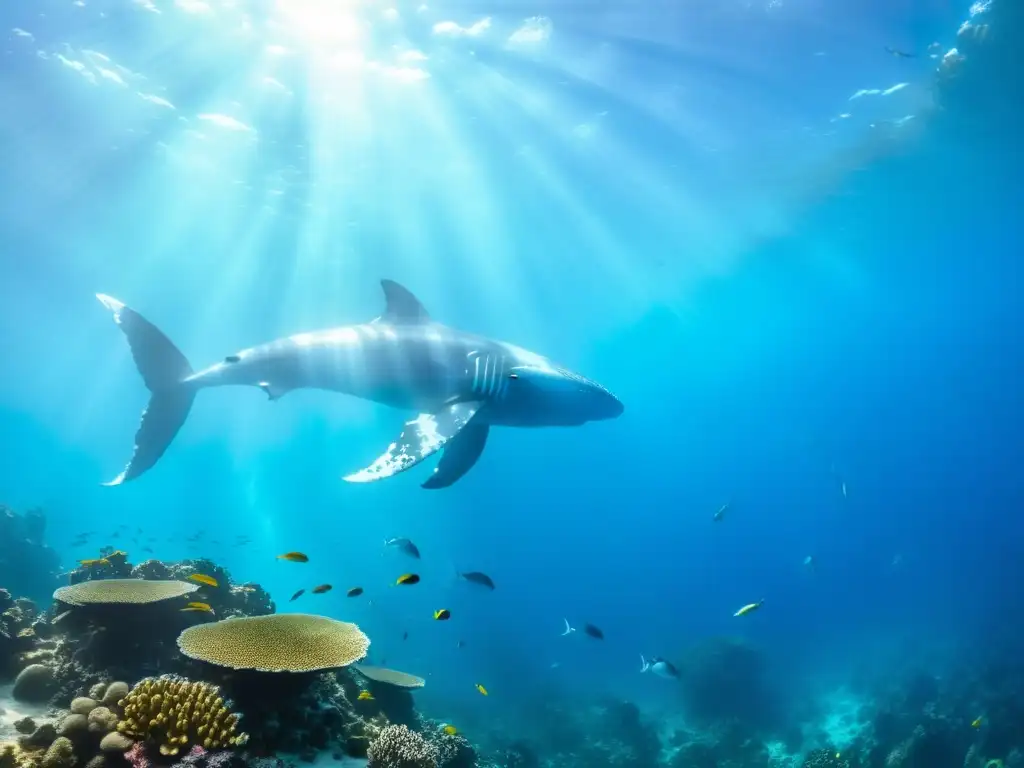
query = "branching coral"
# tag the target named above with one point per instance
(453, 750)
(294, 642)
(173, 712)
(398, 747)
(825, 758)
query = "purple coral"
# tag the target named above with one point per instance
(398, 747)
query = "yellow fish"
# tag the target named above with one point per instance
(204, 607)
(201, 579)
(442, 615)
(95, 561)
(976, 723)
(749, 608)
(408, 578)
(294, 557)
(365, 696)
(451, 730)
(483, 691)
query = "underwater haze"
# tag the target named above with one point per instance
(784, 234)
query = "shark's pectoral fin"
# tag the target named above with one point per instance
(272, 391)
(460, 454)
(423, 436)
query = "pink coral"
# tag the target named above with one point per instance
(137, 757)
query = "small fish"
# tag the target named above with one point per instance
(977, 722)
(297, 595)
(321, 589)
(94, 562)
(568, 630)
(294, 557)
(721, 512)
(442, 615)
(844, 491)
(405, 636)
(59, 617)
(483, 691)
(749, 608)
(451, 730)
(900, 54)
(365, 696)
(810, 562)
(148, 549)
(403, 545)
(354, 592)
(201, 607)
(480, 579)
(593, 631)
(460, 644)
(408, 578)
(660, 667)
(200, 578)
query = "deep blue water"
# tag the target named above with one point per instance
(789, 287)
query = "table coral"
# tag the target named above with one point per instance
(294, 642)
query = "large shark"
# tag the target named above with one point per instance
(460, 384)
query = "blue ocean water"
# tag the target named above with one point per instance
(790, 251)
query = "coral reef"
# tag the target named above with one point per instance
(174, 712)
(27, 566)
(82, 736)
(725, 679)
(116, 622)
(398, 747)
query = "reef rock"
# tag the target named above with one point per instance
(35, 684)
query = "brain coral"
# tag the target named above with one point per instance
(294, 642)
(390, 676)
(398, 747)
(122, 592)
(173, 712)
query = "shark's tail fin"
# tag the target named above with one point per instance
(163, 369)
(644, 666)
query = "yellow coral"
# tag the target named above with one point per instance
(13, 755)
(292, 642)
(174, 712)
(122, 592)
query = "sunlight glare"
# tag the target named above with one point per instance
(321, 24)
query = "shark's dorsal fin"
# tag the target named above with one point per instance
(400, 306)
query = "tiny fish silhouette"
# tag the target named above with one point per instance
(478, 578)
